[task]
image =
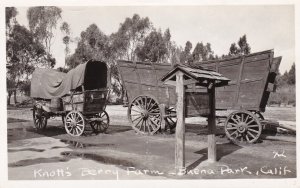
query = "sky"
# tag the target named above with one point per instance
(267, 27)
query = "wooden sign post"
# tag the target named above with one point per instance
(212, 149)
(180, 126)
(182, 76)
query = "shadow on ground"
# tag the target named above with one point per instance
(222, 151)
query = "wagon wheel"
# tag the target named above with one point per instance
(144, 115)
(74, 123)
(242, 127)
(39, 118)
(171, 121)
(101, 125)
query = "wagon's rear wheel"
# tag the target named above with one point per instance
(74, 123)
(144, 115)
(242, 127)
(100, 126)
(39, 118)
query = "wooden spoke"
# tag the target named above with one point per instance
(250, 126)
(136, 111)
(248, 140)
(233, 125)
(148, 105)
(251, 134)
(242, 127)
(136, 118)
(231, 128)
(233, 133)
(253, 131)
(234, 120)
(75, 123)
(151, 124)
(250, 121)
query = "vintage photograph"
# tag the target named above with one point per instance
(150, 92)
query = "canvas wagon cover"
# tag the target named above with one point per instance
(49, 83)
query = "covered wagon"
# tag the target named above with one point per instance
(78, 96)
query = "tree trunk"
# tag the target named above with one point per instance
(8, 98)
(15, 96)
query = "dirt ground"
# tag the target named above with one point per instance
(123, 154)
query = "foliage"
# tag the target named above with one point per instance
(93, 44)
(185, 55)
(131, 34)
(243, 47)
(42, 21)
(154, 48)
(291, 76)
(23, 54)
(65, 28)
(202, 52)
(10, 15)
(286, 88)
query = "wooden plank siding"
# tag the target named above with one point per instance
(248, 88)
(249, 79)
(144, 79)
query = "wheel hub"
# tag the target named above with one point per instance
(242, 127)
(73, 123)
(145, 114)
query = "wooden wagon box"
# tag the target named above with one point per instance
(87, 101)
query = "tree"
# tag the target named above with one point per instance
(24, 53)
(65, 28)
(291, 80)
(154, 48)
(243, 47)
(175, 53)
(198, 51)
(10, 18)
(167, 41)
(42, 21)
(93, 44)
(185, 56)
(129, 36)
(233, 50)
(203, 52)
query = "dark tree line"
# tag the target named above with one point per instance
(136, 40)
(286, 88)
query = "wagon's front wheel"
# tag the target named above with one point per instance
(74, 123)
(144, 115)
(242, 127)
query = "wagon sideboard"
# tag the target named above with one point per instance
(143, 78)
(252, 79)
